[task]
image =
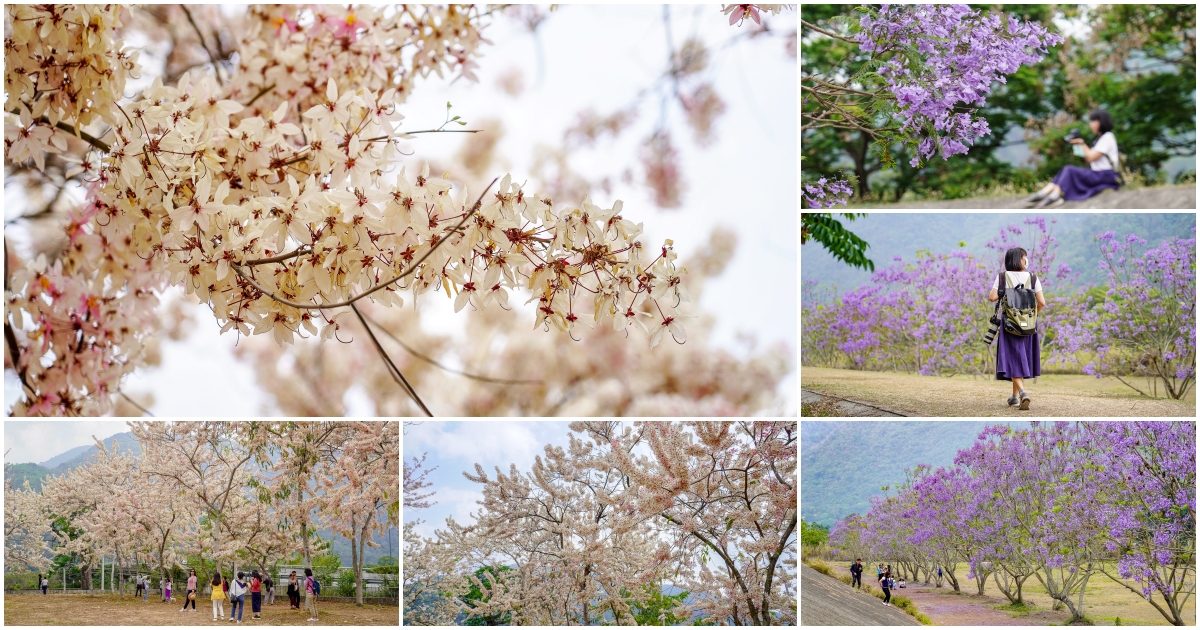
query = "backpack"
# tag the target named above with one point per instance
(316, 585)
(1020, 306)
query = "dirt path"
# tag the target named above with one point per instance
(1158, 197)
(933, 396)
(945, 608)
(826, 601)
(108, 610)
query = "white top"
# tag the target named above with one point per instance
(1107, 144)
(1013, 278)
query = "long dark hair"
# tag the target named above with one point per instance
(1012, 259)
(216, 581)
(1105, 120)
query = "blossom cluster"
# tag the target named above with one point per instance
(270, 195)
(947, 57)
(825, 193)
(1060, 502)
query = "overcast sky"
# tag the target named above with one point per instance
(600, 57)
(37, 441)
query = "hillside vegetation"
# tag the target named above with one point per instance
(851, 460)
(891, 235)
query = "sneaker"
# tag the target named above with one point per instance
(1032, 199)
(1050, 202)
(1013, 401)
(1024, 401)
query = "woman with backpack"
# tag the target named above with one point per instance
(885, 583)
(311, 589)
(1018, 353)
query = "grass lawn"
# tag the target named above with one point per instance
(109, 610)
(1104, 601)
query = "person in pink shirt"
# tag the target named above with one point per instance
(310, 595)
(190, 597)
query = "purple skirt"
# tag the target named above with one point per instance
(1019, 357)
(1082, 183)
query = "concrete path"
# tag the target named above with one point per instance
(826, 601)
(1157, 197)
(846, 407)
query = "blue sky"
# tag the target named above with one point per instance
(38, 441)
(454, 447)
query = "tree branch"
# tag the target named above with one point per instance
(395, 371)
(82, 135)
(378, 287)
(486, 379)
(211, 55)
(825, 32)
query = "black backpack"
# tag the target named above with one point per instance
(1019, 305)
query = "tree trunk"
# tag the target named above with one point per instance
(860, 165)
(85, 577)
(101, 573)
(358, 598)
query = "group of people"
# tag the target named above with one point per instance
(884, 574)
(259, 586)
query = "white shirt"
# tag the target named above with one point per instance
(1107, 144)
(1013, 278)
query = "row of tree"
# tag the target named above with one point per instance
(594, 531)
(214, 492)
(1059, 503)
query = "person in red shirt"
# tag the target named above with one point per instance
(256, 594)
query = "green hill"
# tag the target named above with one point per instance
(16, 474)
(902, 235)
(848, 461)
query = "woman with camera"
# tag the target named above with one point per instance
(1074, 183)
(1018, 356)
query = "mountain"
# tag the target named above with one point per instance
(78, 456)
(16, 474)
(891, 235)
(844, 463)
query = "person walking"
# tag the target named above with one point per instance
(885, 584)
(237, 597)
(293, 592)
(256, 594)
(310, 594)
(190, 597)
(856, 574)
(43, 583)
(939, 580)
(1018, 357)
(218, 596)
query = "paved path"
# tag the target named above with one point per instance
(933, 396)
(848, 408)
(1158, 198)
(826, 601)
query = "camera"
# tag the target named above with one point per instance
(995, 322)
(1073, 135)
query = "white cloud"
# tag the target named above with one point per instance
(487, 443)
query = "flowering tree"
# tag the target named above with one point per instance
(593, 528)
(1146, 323)
(930, 66)
(25, 528)
(266, 189)
(1061, 503)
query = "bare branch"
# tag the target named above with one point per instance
(395, 371)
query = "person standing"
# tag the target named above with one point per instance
(1018, 356)
(218, 597)
(293, 592)
(269, 585)
(255, 594)
(137, 589)
(145, 589)
(190, 596)
(885, 583)
(43, 583)
(310, 594)
(237, 597)
(167, 590)
(856, 574)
